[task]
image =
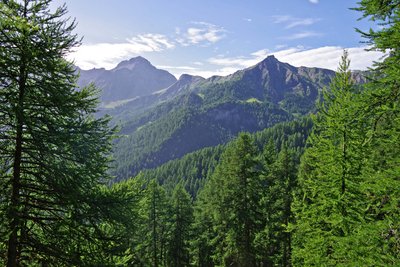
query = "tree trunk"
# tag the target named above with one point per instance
(13, 252)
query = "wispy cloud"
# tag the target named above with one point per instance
(156, 42)
(291, 22)
(327, 57)
(240, 61)
(166, 67)
(108, 55)
(201, 33)
(314, 1)
(213, 72)
(301, 35)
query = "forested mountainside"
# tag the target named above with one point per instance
(208, 112)
(193, 169)
(315, 183)
(268, 199)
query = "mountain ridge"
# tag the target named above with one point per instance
(207, 112)
(193, 112)
(129, 79)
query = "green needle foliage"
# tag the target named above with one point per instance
(182, 218)
(154, 230)
(382, 108)
(347, 208)
(234, 192)
(53, 152)
(279, 172)
(330, 206)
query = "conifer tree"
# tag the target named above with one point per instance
(154, 229)
(53, 152)
(236, 189)
(280, 180)
(329, 207)
(202, 247)
(381, 109)
(181, 223)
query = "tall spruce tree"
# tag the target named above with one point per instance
(280, 176)
(181, 227)
(235, 191)
(53, 153)
(381, 108)
(329, 207)
(154, 229)
(202, 247)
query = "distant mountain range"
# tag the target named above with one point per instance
(162, 118)
(128, 80)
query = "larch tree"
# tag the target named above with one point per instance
(181, 227)
(280, 176)
(381, 108)
(154, 229)
(235, 191)
(202, 247)
(53, 152)
(329, 206)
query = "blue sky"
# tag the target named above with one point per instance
(205, 37)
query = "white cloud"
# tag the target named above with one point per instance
(323, 57)
(292, 22)
(302, 22)
(328, 57)
(157, 42)
(108, 55)
(241, 61)
(166, 67)
(215, 72)
(314, 1)
(201, 33)
(301, 35)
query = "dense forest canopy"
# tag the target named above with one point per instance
(318, 188)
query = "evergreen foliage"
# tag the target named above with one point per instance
(53, 208)
(181, 221)
(235, 190)
(154, 225)
(329, 203)
(195, 168)
(244, 201)
(279, 172)
(347, 207)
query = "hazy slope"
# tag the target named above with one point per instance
(129, 79)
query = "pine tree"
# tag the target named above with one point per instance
(202, 247)
(154, 229)
(381, 109)
(329, 207)
(365, 231)
(53, 152)
(235, 190)
(280, 176)
(181, 223)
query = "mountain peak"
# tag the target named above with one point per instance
(188, 78)
(270, 59)
(133, 63)
(271, 63)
